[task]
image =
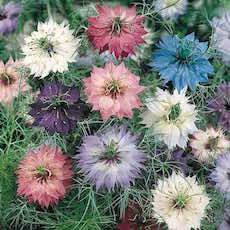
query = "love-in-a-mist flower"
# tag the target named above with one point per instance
(50, 49)
(220, 105)
(221, 174)
(171, 9)
(113, 91)
(44, 176)
(111, 159)
(171, 117)
(207, 145)
(182, 61)
(8, 17)
(117, 29)
(180, 202)
(12, 83)
(57, 108)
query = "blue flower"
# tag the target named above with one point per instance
(182, 61)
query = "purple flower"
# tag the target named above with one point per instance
(221, 105)
(111, 159)
(225, 224)
(181, 161)
(57, 108)
(221, 174)
(8, 17)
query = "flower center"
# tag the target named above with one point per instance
(57, 102)
(117, 25)
(212, 143)
(180, 202)
(186, 51)
(2, 15)
(113, 88)
(227, 104)
(175, 112)
(6, 79)
(46, 46)
(42, 173)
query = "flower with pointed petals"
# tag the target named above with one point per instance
(11, 82)
(111, 159)
(117, 29)
(50, 49)
(182, 61)
(171, 117)
(220, 105)
(44, 176)
(207, 145)
(113, 91)
(221, 174)
(8, 17)
(180, 202)
(171, 9)
(57, 108)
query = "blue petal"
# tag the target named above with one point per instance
(190, 37)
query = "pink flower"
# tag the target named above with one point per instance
(44, 176)
(11, 82)
(116, 29)
(113, 91)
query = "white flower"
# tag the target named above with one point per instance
(221, 36)
(171, 9)
(179, 202)
(50, 49)
(171, 117)
(207, 145)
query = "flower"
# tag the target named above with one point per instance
(57, 108)
(221, 174)
(171, 117)
(182, 61)
(221, 36)
(8, 17)
(11, 82)
(220, 105)
(171, 9)
(113, 91)
(225, 224)
(50, 49)
(179, 202)
(181, 160)
(111, 159)
(207, 145)
(116, 29)
(44, 176)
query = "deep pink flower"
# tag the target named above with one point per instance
(116, 29)
(44, 176)
(113, 91)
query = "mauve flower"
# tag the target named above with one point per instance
(113, 91)
(44, 176)
(8, 17)
(57, 108)
(221, 105)
(117, 29)
(11, 82)
(111, 159)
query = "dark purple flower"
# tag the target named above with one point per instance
(57, 108)
(181, 161)
(111, 159)
(221, 105)
(8, 17)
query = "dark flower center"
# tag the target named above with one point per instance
(2, 15)
(113, 88)
(111, 153)
(186, 51)
(6, 79)
(58, 102)
(180, 202)
(227, 104)
(212, 143)
(117, 25)
(45, 45)
(174, 112)
(228, 175)
(42, 174)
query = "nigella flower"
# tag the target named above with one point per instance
(225, 224)
(111, 159)
(221, 174)
(220, 105)
(57, 108)
(207, 145)
(117, 29)
(44, 176)
(171, 117)
(50, 49)
(182, 61)
(171, 9)
(180, 202)
(8, 17)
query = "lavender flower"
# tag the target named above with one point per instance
(57, 108)
(225, 224)
(221, 174)
(8, 17)
(221, 105)
(111, 159)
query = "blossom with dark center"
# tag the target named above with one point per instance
(220, 104)
(8, 17)
(111, 159)
(57, 108)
